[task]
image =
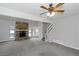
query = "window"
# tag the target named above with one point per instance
(33, 31)
(30, 32)
(12, 32)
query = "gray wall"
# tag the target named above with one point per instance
(40, 30)
(4, 29)
(66, 32)
(7, 21)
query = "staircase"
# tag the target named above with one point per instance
(48, 34)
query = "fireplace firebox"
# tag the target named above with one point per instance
(22, 34)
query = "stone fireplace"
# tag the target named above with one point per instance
(21, 31)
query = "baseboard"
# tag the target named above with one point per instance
(65, 45)
(6, 41)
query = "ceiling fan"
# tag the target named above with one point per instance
(51, 10)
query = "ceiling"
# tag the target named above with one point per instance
(34, 9)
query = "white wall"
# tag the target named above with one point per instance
(4, 29)
(66, 32)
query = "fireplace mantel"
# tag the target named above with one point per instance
(21, 30)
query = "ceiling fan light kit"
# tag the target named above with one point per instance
(50, 15)
(52, 10)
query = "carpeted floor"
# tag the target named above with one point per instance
(35, 48)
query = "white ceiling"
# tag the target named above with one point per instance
(34, 9)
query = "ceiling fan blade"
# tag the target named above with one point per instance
(59, 10)
(44, 7)
(43, 13)
(58, 5)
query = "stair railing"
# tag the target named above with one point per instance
(50, 27)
